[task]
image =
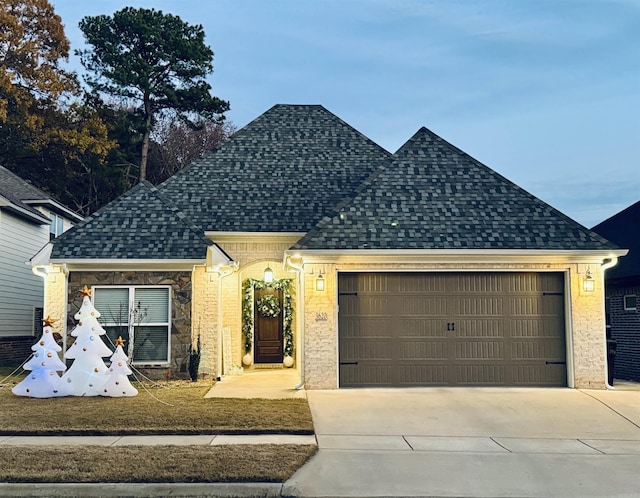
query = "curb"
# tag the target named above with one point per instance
(230, 490)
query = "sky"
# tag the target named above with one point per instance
(545, 92)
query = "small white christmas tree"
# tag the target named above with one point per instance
(43, 381)
(88, 373)
(118, 384)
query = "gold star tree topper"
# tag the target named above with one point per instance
(119, 341)
(48, 322)
(86, 292)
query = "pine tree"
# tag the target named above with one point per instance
(118, 384)
(43, 381)
(88, 373)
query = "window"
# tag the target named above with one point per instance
(630, 302)
(57, 226)
(141, 316)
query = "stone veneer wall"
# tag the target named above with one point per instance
(585, 313)
(181, 297)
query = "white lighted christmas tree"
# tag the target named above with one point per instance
(118, 384)
(87, 375)
(43, 381)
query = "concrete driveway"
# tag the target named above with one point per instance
(473, 442)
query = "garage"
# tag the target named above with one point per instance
(451, 329)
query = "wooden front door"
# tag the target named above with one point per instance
(268, 331)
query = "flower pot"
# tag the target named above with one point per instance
(288, 361)
(247, 360)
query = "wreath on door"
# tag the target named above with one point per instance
(268, 306)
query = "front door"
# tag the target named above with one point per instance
(268, 328)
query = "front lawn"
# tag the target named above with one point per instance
(175, 408)
(168, 408)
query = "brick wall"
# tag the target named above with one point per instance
(625, 329)
(15, 350)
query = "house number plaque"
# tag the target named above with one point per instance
(321, 316)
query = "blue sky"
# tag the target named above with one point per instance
(547, 93)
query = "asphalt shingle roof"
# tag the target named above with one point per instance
(141, 224)
(622, 229)
(434, 196)
(281, 173)
(17, 190)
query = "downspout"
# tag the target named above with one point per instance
(299, 317)
(612, 261)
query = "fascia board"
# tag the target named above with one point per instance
(39, 218)
(278, 237)
(455, 256)
(56, 207)
(129, 264)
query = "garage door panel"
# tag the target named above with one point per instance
(551, 327)
(479, 350)
(423, 350)
(409, 328)
(479, 375)
(420, 375)
(478, 327)
(356, 327)
(367, 375)
(483, 283)
(477, 306)
(358, 350)
(452, 329)
(422, 305)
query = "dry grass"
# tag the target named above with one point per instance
(158, 464)
(177, 408)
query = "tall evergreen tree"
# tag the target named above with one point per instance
(154, 60)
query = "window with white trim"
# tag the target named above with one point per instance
(141, 315)
(630, 302)
(56, 227)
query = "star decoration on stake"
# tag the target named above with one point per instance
(48, 322)
(119, 341)
(86, 292)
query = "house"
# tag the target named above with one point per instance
(300, 241)
(623, 290)
(29, 218)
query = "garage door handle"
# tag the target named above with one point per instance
(451, 326)
(348, 363)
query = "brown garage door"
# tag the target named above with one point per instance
(465, 329)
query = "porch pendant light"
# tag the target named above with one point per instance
(588, 284)
(268, 275)
(320, 283)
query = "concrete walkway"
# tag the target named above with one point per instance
(259, 383)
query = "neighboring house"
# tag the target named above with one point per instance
(623, 291)
(422, 267)
(29, 218)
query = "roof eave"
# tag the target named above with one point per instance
(57, 207)
(455, 255)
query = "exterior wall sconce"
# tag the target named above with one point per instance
(588, 284)
(268, 275)
(320, 283)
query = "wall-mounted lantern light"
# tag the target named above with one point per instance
(320, 283)
(588, 284)
(268, 275)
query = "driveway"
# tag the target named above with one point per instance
(473, 442)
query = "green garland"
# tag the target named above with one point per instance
(248, 286)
